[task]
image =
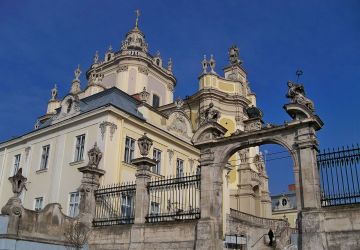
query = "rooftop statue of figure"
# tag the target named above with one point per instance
(234, 55)
(296, 93)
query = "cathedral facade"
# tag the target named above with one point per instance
(130, 92)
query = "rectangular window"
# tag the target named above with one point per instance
(38, 203)
(157, 158)
(129, 149)
(44, 157)
(154, 208)
(156, 101)
(17, 159)
(179, 168)
(79, 148)
(126, 205)
(74, 204)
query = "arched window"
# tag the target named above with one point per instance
(155, 101)
(158, 62)
(109, 57)
(69, 103)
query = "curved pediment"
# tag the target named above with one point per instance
(207, 132)
(69, 106)
(180, 124)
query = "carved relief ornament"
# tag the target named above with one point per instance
(143, 70)
(103, 127)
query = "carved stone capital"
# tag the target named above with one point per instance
(144, 165)
(206, 157)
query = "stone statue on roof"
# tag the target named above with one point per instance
(296, 93)
(211, 114)
(234, 55)
(54, 93)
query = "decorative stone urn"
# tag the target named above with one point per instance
(144, 144)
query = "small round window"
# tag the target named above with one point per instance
(284, 202)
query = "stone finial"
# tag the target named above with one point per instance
(204, 64)
(296, 93)
(144, 144)
(137, 18)
(75, 87)
(54, 93)
(170, 65)
(212, 64)
(179, 103)
(211, 114)
(95, 156)
(110, 48)
(96, 57)
(77, 73)
(144, 95)
(18, 182)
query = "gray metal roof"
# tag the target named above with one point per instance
(112, 96)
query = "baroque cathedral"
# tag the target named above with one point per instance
(129, 92)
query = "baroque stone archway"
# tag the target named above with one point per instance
(298, 136)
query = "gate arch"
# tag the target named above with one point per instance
(297, 136)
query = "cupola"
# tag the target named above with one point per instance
(135, 38)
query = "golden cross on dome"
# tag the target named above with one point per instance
(137, 17)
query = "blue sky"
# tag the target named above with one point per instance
(43, 41)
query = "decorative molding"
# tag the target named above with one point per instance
(170, 87)
(122, 68)
(179, 125)
(103, 127)
(143, 70)
(27, 151)
(253, 125)
(70, 106)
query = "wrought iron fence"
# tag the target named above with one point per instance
(115, 204)
(174, 199)
(339, 176)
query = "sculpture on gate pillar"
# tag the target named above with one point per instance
(89, 183)
(296, 93)
(95, 156)
(144, 165)
(13, 206)
(144, 144)
(18, 182)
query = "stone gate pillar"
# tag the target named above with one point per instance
(209, 228)
(89, 183)
(142, 199)
(310, 218)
